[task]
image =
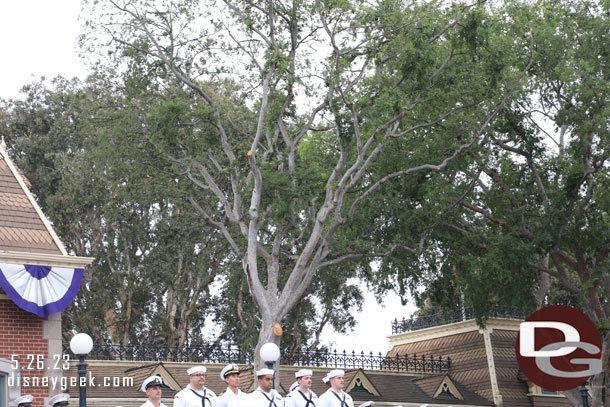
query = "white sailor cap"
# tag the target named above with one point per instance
(293, 386)
(336, 372)
(228, 370)
(26, 400)
(367, 404)
(264, 372)
(325, 379)
(59, 400)
(150, 382)
(303, 372)
(196, 369)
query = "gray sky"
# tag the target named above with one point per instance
(39, 39)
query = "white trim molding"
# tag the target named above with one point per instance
(33, 202)
(53, 260)
(491, 366)
(13, 384)
(450, 329)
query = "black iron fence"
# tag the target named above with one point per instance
(146, 352)
(234, 354)
(443, 318)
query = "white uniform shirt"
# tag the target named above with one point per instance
(258, 398)
(330, 398)
(149, 404)
(297, 398)
(189, 397)
(230, 399)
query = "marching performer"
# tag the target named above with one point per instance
(152, 388)
(231, 396)
(335, 396)
(195, 394)
(265, 395)
(302, 396)
(60, 400)
(24, 401)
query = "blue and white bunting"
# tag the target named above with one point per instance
(42, 290)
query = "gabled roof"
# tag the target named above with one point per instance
(357, 381)
(439, 386)
(140, 373)
(26, 236)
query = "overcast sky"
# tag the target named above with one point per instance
(39, 39)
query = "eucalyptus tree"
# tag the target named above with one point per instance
(110, 198)
(358, 83)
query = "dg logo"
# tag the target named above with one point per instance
(559, 348)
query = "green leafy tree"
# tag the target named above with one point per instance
(110, 198)
(531, 229)
(269, 80)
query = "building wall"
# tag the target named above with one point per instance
(36, 344)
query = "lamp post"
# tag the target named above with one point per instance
(81, 344)
(585, 394)
(270, 353)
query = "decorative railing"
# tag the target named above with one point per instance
(234, 354)
(160, 353)
(353, 360)
(444, 318)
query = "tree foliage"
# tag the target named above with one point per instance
(372, 81)
(531, 229)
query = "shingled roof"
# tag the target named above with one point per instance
(26, 235)
(23, 226)
(475, 364)
(392, 387)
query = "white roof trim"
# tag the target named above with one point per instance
(27, 192)
(41, 259)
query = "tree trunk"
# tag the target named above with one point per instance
(109, 321)
(128, 318)
(266, 335)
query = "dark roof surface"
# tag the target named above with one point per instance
(393, 387)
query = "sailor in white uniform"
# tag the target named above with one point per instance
(59, 400)
(24, 401)
(265, 395)
(195, 394)
(152, 387)
(231, 396)
(335, 396)
(302, 396)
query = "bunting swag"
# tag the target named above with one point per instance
(42, 290)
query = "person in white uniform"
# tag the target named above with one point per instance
(152, 387)
(231, 396)
(195, 394)
(302, 396)
(24, 401)
(265, 395)
(335, 396)
(59, 400)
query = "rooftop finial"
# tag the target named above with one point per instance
(3, 144)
